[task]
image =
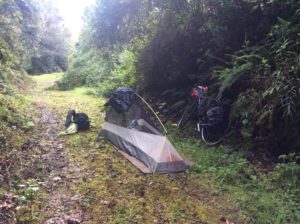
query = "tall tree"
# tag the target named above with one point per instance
(34, 34)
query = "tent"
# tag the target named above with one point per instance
(134, 132)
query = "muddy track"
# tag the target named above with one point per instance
(59, 206)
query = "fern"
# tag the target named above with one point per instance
(228, 76)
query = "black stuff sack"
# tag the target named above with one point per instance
(81, 119)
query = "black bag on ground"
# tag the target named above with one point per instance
(81, 119)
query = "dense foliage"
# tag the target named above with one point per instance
(32, 37)
(264, 81)
(246, 51)
(114, 34)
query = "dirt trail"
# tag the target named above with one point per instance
(86, 181)
(61, 205)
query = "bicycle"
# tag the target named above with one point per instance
(212, 116)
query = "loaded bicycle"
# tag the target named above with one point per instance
(212, 116)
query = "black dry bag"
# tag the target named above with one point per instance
(81, 119)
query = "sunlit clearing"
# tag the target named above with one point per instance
(72, 12)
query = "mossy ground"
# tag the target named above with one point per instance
(98, 185)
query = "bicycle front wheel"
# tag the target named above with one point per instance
(213, 135)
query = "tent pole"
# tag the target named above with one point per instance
(165, 130)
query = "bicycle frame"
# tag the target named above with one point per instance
(210, 133)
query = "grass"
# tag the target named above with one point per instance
(46, 81)
(264, 197)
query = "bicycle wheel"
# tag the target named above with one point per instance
(213, 135)
(187, 116)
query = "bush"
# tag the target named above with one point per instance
(265, 81)
(94, 70)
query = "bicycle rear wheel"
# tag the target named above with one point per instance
(213, 135)
(187, 116)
